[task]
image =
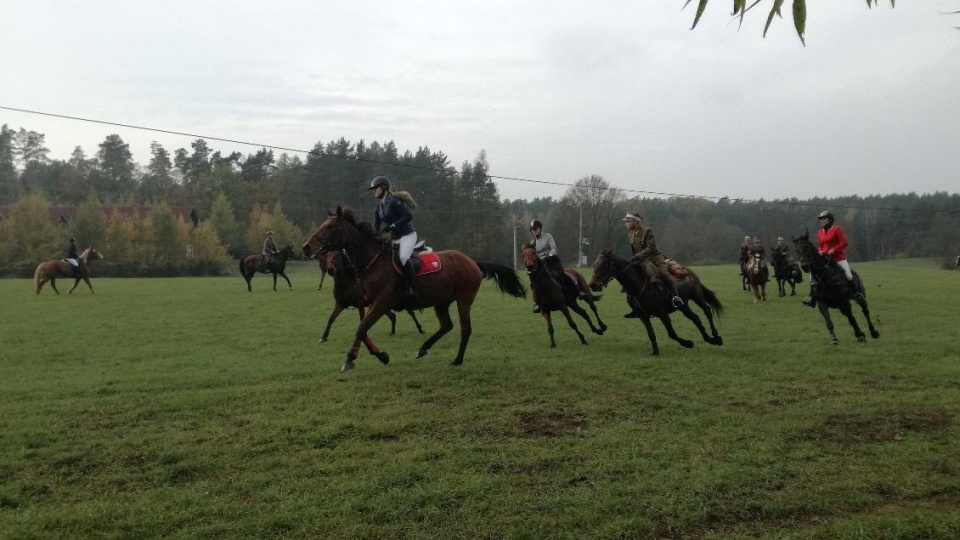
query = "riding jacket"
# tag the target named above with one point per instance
(833, 238)
(546, 246)
(72, 251)
(394, 216)
(780, 252)
(644, 245)
(269, 248)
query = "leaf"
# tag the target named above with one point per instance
(700, 8)
(800, 18)
(773, 11)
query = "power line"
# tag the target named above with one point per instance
(444, 171)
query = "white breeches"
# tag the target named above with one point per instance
(405, 247)
(846, 269)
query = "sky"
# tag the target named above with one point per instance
(552, 91)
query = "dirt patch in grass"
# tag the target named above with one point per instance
(884, 426)
(540, 424)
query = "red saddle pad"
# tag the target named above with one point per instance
(429, 263)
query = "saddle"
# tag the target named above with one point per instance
(423, 259)
(74, 265)
(677, 270)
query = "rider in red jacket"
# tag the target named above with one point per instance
(831, 242)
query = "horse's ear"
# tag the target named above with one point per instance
(339, 211)
(329, 213)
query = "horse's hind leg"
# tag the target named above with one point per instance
(89, 286)
(284, 274)
(688, 313)
(848, 311)
(549, 319)
(874, 333)
(53, 284)
(714, 338)
(466, 328)
(393, 322)
(651, 335)
(668, 324)
(583, 313)
(415, 321)
(600, 323)
(570, 321)
(446, 324)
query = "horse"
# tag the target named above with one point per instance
(347, 294)
(650, 301)
(251, 264)
(758, 275)
(833, 290)
(323, 271)
(551, 296)
(51, 270)
(456, 278)
(786, 272)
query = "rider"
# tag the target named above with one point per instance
(830, 243)
(268, 251)
(546, 248)
(756, 248)
(394, 216)
(644, 247)
(780, 254)
(72, 258)
(744, 252)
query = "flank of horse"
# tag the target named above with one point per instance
(786, 273)
(251, 264)
(551, 296)
(649, 301)
(833, 289)
(758, 275)
(458, 281)
(346, 292)
(51, 270)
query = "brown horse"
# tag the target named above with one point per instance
(758, 275)
(251, 264)
(648, 300)
(51, 270)
(551, 296)
(347, 294)
(458, 280)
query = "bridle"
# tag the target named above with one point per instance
(617, 273)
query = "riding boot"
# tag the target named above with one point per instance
(809, 301)
(410, 278)
(854, 293)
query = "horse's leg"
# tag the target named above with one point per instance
(41, 281)
(446, 324)
(393, 322)
(415, 321)
(566, 313)
(337, 309)
(371, 318)
(89, 286)
(76, 281)
(714, 338)
(593, 306)
(695, 319)
(466, 326)
(247, 276)
(651, 334)
(668, 324)
(874, 333)
(549, 319)
(825, 313)
(575, 307)
(53, 283)
(284, 274)
(763, 291)
(847, 310)
(274, 281)
(322, 275)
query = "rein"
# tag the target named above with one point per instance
(615, 275)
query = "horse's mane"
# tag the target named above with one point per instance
(365, 227)
(85, 255)
(406, 198)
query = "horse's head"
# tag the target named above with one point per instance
(603, 270)
(332, 261)
(806, 252)
(91, 254)
(528, 252)
(328, 236)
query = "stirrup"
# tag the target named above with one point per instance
(536, 308)
(677, 302)
(809, 301)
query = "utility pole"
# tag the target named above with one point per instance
(580, 238)
(513, 219)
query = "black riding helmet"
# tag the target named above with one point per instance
(826, 214)
(535, 224)
(380, 181)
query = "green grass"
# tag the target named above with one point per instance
(191, 408)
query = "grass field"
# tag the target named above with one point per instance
(192, 408)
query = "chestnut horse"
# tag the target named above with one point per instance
(458, 281)
(758, 275)
(251, 264)
(51, 270)
(551, 296)
(649, 301)
(346, 291)
(833, 289)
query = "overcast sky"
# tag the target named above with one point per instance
(552, 90)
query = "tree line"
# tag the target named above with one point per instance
(240, 196)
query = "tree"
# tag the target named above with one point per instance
(9, 182)
(28, 235)
(599, 205)
(29, 147)
(225, 224)
(799, 10)
(157, 184)
(89, 226)
(115, 168)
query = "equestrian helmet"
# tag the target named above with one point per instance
(632, 217)
(380, 181)
(73, 240)
(269, 233)
(826, 214)
(535, 224)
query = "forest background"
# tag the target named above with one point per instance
(238, 197)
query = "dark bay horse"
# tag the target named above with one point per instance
(458, 281)
(758, 275)
(251, 264)
(651, 301)
(550, 296)
(833, 289)
(346, 291)
(51, 270)
(786, 272)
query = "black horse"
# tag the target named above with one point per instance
(833, 290)
(346, 291)
(786, 272)
(650, 301)
(252, 264)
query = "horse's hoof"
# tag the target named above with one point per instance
(875, 334)
(383, 357)
(457, 362)
(861, 339)
(718, 341)
(686, 344)
(347, 366)
(553, 345)
(603, 328)
(421, 353)
(323, 340)
(834, 342)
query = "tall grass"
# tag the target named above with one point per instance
(192, 408)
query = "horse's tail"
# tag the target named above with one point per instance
(242, 270)
(712, 300)
(36, 276)
(507, 279)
